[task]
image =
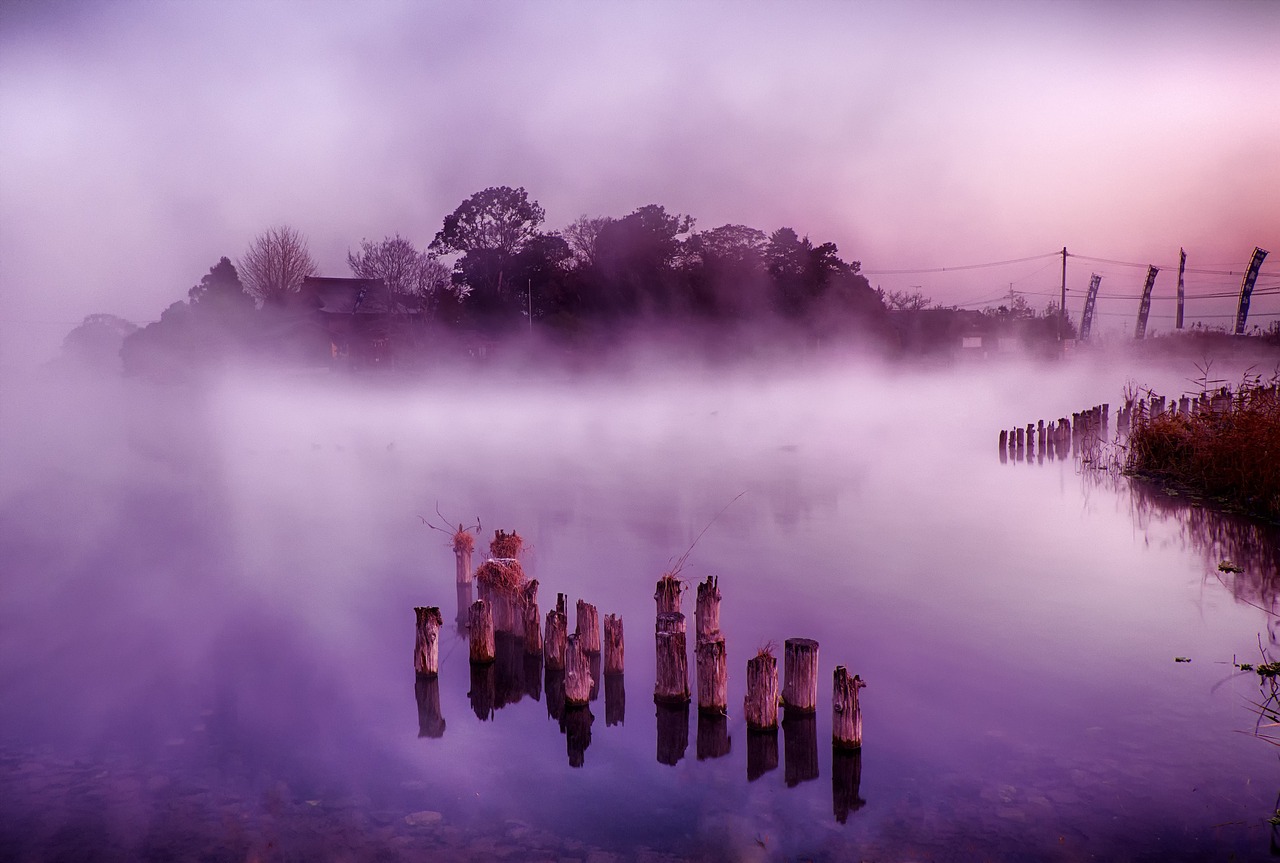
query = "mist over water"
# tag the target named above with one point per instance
(208, 592)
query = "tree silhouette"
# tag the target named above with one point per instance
(275, 264)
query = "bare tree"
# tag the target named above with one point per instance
(275, 264)
(581, 237)
(908, 302)
(410, 275)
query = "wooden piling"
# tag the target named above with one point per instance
(707, 610)
(1004, 440)
(588, 627)
(613, 648)
(761, 703)
(577, 673)
(553, 646)
(668, 594)
(481, 626)
(426, 648)
(713, 676)
(462, 561)
(532, 619)
(672, 684)
(800, 686)
(846, 724)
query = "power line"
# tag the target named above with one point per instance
(960, 267)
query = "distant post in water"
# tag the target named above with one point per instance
(713, 677)
(672, 685)
(761, 703)
(588, 627)
(707, 610)
(426, 649)
(800, 686)
(554, 646)
(613, 647)
(483, 649)
(577, 673)
(463, 544)
(532, 620)
(846, 725)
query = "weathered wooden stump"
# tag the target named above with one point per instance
(713, 676)
(672, 685)
(1004, 440)
(483, 693)
(462, 560)
(553, 646)
(615, 700)
(800, 746)
(613, 648)
(576, 725)
(588, 627)
(426, 648)
(532, 619)
(481, 626)
(762, 752)
(673, 732)
(846, 779)
(761, 703)
(577, 674)
(713, 736)
(800, 685)
(846, 725)
(668, 594)
(426, 689)
(707, 610)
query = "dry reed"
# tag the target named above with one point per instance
(506, 545)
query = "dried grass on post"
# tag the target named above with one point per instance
(462, 539)
(506, 546)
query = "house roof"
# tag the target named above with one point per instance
(348, 296)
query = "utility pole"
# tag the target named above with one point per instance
(1062, 305)
(530, 295)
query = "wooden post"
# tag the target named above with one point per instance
(707, 610)
(800, 686)
(481, 625)
(426, 690)
(668, 594)
(846, 725)
(532, 620)
(426, 649)
(462, 559)
(761, 703)
(713, 676)
(577, 673)
(553, 647)
(672, 685)
(1004, 440)
(613, 652)
(588, 627)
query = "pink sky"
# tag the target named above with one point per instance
(140, 142)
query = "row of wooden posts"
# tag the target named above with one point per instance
(1056, 437)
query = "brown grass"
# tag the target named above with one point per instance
(506, 545)
(1232, 456)
(463, 541)
(506, 575)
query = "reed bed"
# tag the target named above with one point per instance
(1231, 455)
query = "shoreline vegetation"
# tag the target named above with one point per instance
(1223, 446)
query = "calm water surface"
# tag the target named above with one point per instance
(206, 624)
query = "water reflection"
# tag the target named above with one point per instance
(762, 752)
(615, 700)
(713, 735)
(483, 692)
(846, 777)
(466, 596)
(426, 688)
(553, 683)
(575, 724)
(673, 732)
(799, 746)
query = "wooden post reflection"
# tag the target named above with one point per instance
(483, 693)
(466, 595)
(554, 687)
(762, 752)
(673, 732)
(576, 725)
(799, 746)
(615, 700)
(846, 777)
(426, 689)
(533, 675)
(713, 735)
